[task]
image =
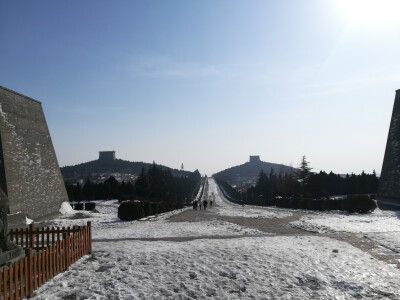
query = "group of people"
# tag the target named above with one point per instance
(203, 203)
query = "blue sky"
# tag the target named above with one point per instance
(208, 83)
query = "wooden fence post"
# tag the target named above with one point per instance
(89, 225)
(26, 268)
(31, 239)
(16, 279)
(30, 273)
(11, 282)
(5, 283)
(67, 248)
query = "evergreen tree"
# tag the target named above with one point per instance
(77, 192)
(142, 184)
(304, 171)
(112, 188)
(87, 190)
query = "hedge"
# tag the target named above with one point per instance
(352, 204)
(130, 210)
(78, 206)
(359, 204)
(90, 205)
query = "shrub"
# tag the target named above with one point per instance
(318, 204)
(78, 206)
(301, 203)
(162, 208)
(271, 202)
(293, 202)
(310, 204)
(334, 205)
(325, 204)
(359, 204)
(154, 208)
(282, 202)
(130, 210)
(147, 208)
(178, 205)
(90, 206)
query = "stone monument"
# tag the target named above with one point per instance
(389, 182)
(9, 252)
(29, 172)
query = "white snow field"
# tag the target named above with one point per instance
(382, 226)
(229, 209)
(226, 266)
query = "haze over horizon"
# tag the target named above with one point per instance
(209, 83)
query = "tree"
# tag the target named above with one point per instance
(142, 184)
(87, 190)
(304, 171)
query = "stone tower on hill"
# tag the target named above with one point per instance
(106, 155)
(255, 159)
(389, 182)
(29, 170)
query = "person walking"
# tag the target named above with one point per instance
(195, 205)
(200, 204)
(205, 204)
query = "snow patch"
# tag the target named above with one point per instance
(66, 208)
(378, 221)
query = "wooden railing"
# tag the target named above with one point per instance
(48, 252)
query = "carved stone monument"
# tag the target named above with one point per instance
(29, 172)
(389, 182)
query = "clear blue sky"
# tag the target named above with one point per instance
(208, 83)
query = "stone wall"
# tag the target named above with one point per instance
(389, 182)
(32, 174)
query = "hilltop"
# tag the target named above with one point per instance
(247, 173)
(108, 165)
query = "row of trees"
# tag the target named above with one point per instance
(154, 184)
(304, 183)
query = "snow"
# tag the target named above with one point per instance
(267, 267)
(378, 221)
(207, 257)
(66, 208)
(390, 240)
(382, 226)
(229, 209)
(28, 221)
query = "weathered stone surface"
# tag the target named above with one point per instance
(29, 169)
(389, 182)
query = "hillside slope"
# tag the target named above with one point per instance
(249, 171)
(84, 170)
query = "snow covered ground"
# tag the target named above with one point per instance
(244, 268)
(230, 209)
(382, 226)
(106, 225)
(228, 266)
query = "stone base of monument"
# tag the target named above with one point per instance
(16, 220)
(10, 256)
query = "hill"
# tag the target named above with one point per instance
(109, 165)
(247, 173)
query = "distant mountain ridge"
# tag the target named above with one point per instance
(109, 164)
(249, 171)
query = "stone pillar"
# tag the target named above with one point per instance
(9, 252)
(389, 182)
